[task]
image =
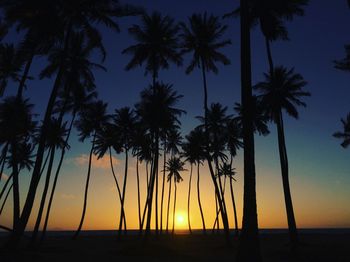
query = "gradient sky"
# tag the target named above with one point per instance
(319, 167)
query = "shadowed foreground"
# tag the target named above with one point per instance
(315, 247)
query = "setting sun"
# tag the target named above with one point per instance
(181, 220)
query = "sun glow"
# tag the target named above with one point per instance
(181, 220)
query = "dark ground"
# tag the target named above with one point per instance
(314, 247)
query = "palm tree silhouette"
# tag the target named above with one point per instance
(90, 121)
(194, 153)
(344, 64)
(16, 132)
(124, 121)
(157, 112)
(279, 92)
(174, 166)
(202, 38)
(157, 44)
(345, 134)
(84, 15)
(172, 139)
(55, 140)
(10, 66)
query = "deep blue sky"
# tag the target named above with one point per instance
(315, 41)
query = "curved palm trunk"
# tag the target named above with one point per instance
(86, 192)
(156, 202)
(163, 185)
(199, 200)
(138, 190)
(5, 186)
(116, 182)
(269, 55)
(147, 197)
(167, 213)
(217, 191)
(3, 160)
(16, 200)
(188, 201)
(5, 200)
(234, 208)
(25, 75)
(43, 197)
(152, 182)
(63, 152)
(174, 209)
(293, 233)
(122, 215)
(249, 245)
(35, 179)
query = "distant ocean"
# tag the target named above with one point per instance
(333, 231)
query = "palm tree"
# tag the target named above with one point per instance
(55, 140)
(171, 139)
(83, 15)
(249, 246)
(193, 151)
(157, 44)
(174, 166)
(3, 29)
(157, 112)
(202, 38)
(10, 66)
(269, 14)
(283, 92)
(124, 121)
(17, 132)
(345, 134)
(344, 64)
(91, 120)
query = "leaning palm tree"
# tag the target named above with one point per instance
(55, 140)
(156, 110)
(202, 38)
(157, 44)
(283, 92)
(345, 134)
(124, 121)
(193, 151)
(84, 15)
(90, 121)
(174, 166)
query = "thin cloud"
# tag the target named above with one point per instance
(102, 163)
(68, 196)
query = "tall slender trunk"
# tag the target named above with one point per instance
(189, 200)
(138, 190)
(174, 209)
(86, 190)
(152, 182)
(5, 186)
(116, 181)
(3, 160)
(249, 245)
(25, 74)
(5, 200)
(43, 197)
(122, 215)
(145, 210)
(234, 208)
(269, 55)
(35, 179)
(167, 213)
(163, 184)
(293, 233)
(52, 194)
(16, 200)
(199, 200)
(217, 191)
(156, 202)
